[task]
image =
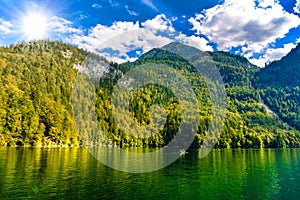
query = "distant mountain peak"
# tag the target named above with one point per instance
(182, 49)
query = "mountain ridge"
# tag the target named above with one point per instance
(283, 72)
(36, 80)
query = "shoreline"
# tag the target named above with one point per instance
(111, 147)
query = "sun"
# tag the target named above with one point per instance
(34, 26)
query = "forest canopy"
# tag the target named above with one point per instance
(37, 77)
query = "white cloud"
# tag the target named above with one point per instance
(266, 3)
(297, 6)
(82, 17)
(243, 23)
(61, 26)
(114, 3)
(100, 33)
(150, 4)
(160, 22)
(96, 5)
(194, 41)
(116, 41)
(121, 37)
(6, 27)
(272, 54)
(130, 12)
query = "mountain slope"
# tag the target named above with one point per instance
(248, 122)
(36, 80)
(280, 85)
(282, 73)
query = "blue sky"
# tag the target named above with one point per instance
(122, 30)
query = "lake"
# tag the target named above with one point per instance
(72, 173)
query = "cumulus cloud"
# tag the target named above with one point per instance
(6, 27)
(297, 6)
(250, 24)
(194, 41)
(266, 3)
(160, 22)
(115, 42)
(100, 34)
(272, 54)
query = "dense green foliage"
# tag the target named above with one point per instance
(35, 82)
(280, 83)
(36, 89)
(282, 73)
(248, 124)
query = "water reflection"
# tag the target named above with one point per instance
(135, 160)
(72, 173)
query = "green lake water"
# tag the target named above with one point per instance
(72, 173)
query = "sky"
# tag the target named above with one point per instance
(122, 30)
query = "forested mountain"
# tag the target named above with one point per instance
(36, 80)
(280, 85)
(282, 73)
